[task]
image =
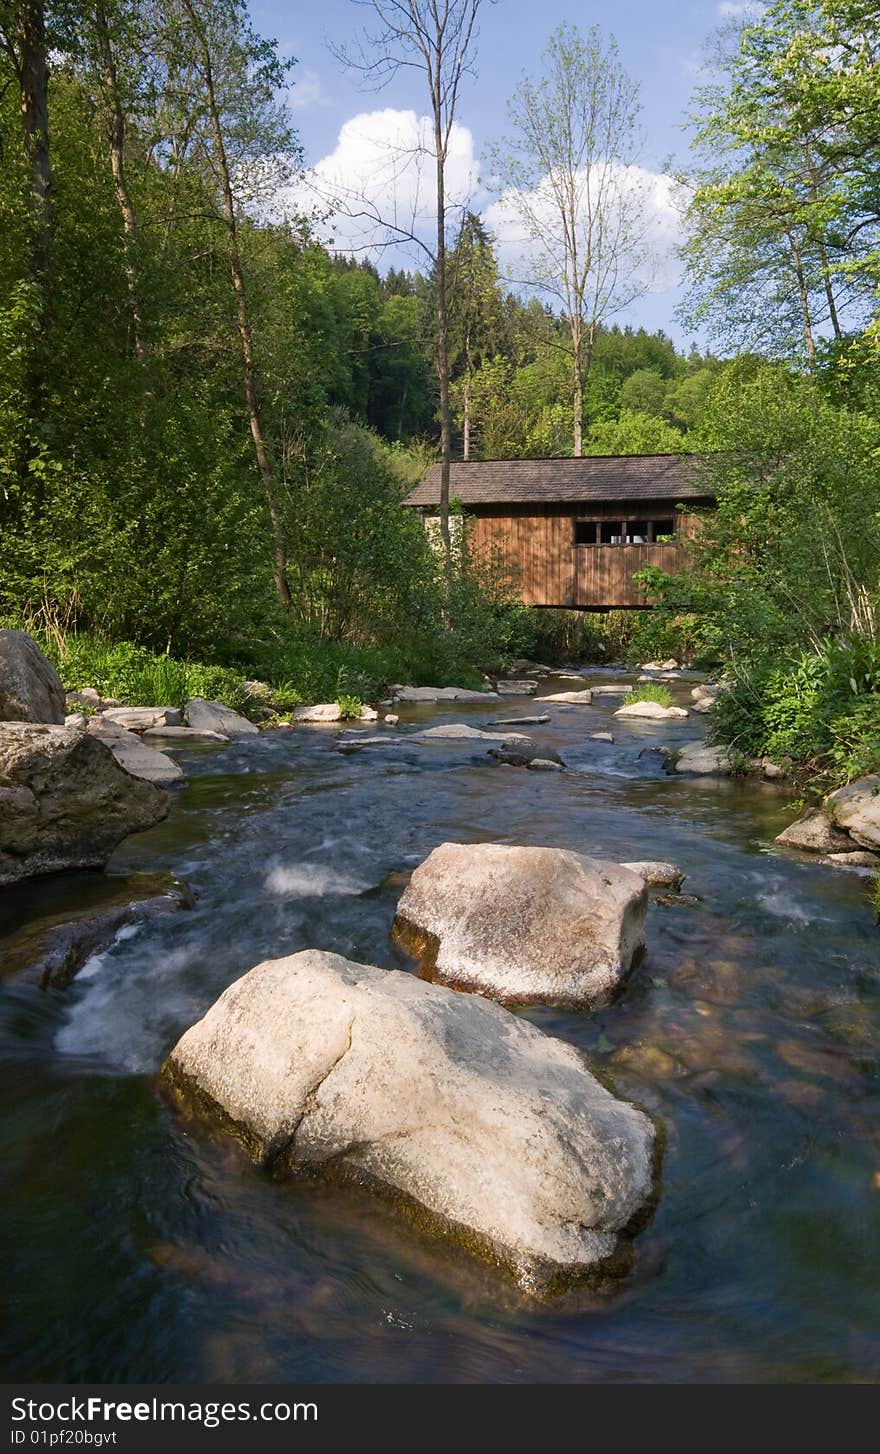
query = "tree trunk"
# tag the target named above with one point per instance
(279, 558)
(578, 389)
(829, 292)
(442, 342)
(804, 299)
(120, 184)
(33, 80)
(466, 422)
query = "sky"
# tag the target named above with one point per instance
(346, 130)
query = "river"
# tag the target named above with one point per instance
(138, 1248)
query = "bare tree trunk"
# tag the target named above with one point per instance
(442, 336)
(32, 65)
(279, 561)
(120, 183)
(466, 429)
(804, 299)
(829, 292)
(578, 390)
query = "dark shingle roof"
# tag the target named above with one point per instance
(557, 481)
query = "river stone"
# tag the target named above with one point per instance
(524, 925)
(601, 737)
(702, 760)
(65, 802)
(703, 705)
(860, 859)
(331, 712)
(214, 717)
(30, 687)
(657, 873)
(543, 764)
(516, 689)
(76, 719)
(181, 736)
(522, 752)
(856, 808)
(52, 950)
(705, 691)
(520, 721)
(653, 710)
(572, 698)
(813, 832)
(619, 689)
(440, 694)
(486, 1129)
(670, 664)
(135, 755)
(139, 719)
(461, 732)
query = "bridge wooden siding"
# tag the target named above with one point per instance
(551, 570)
(541, 514)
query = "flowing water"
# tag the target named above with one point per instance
(138, 1248)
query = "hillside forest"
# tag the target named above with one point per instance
(209, 415)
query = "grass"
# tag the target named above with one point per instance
(650, 692)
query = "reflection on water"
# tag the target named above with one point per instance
(145, 1249)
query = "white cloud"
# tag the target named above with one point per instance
(656, 224)
(306, 92)
(378, 183)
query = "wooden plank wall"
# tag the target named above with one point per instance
(553, 571)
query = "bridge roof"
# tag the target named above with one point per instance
(567, 481)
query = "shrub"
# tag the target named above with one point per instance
(349, 707)
(650, 692)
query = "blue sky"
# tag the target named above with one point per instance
(661, 44)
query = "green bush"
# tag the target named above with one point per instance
(650, 692)
(820, 709)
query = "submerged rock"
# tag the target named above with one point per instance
(30, 687)
(65, 802)
(660, 875)
(214, 717)
(601, 737)
(522, 752)
(53, 950)
(856, 808)
(524, 925)
(483, 1128)
(860, 859)
(544, 764)
(516, 688)
(813, 832)
(653, 710)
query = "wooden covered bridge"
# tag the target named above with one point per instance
(577, 530)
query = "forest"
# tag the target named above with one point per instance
(208, 416)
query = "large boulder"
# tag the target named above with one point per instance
(486, 1129)
(856, 808)
(30, 687)
(524, 925)
(654, 711)
(330, 712)
(65, 802)
(813, 832)
(214, 717)
(702, 760)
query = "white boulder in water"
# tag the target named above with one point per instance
(214, 717)
(490, 1132)
(524, 925)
